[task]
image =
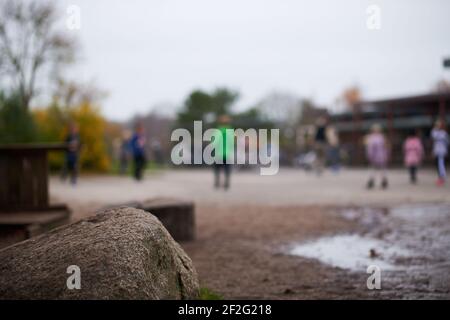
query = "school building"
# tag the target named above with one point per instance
(398, 116)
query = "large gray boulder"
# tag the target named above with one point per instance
(122, 253)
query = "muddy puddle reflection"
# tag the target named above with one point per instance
(352, 252)
(413, 238)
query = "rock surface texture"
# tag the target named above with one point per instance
(122, 253)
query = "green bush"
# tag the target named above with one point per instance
(16, 122)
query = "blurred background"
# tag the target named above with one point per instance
(112, 79)
(107, 65)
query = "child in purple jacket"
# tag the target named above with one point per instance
(377, 155)
(440, 149)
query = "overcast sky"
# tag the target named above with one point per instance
(147, 53)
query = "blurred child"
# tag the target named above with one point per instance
(224, 151)
(73, 147)
(124, 152)
(137, 144)
(377, 155)
(440, 148)
(413, 151)
(320, 144)
(333, 150)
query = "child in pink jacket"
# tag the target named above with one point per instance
(413, 151)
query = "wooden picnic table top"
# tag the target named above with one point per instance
(32, 217)
(25, 147)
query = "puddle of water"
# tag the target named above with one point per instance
(421, 211)
(412, 212)
(352, 252)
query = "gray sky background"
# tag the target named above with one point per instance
(149, 53)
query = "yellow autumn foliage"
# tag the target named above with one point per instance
(52, 125)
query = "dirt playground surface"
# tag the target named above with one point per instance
(241, 253)
(244, 239)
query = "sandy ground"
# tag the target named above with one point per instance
(244, 234)
(288, 187)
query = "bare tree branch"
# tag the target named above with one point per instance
(30, 44)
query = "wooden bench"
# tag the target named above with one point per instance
(177, 216)
(25, 209)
